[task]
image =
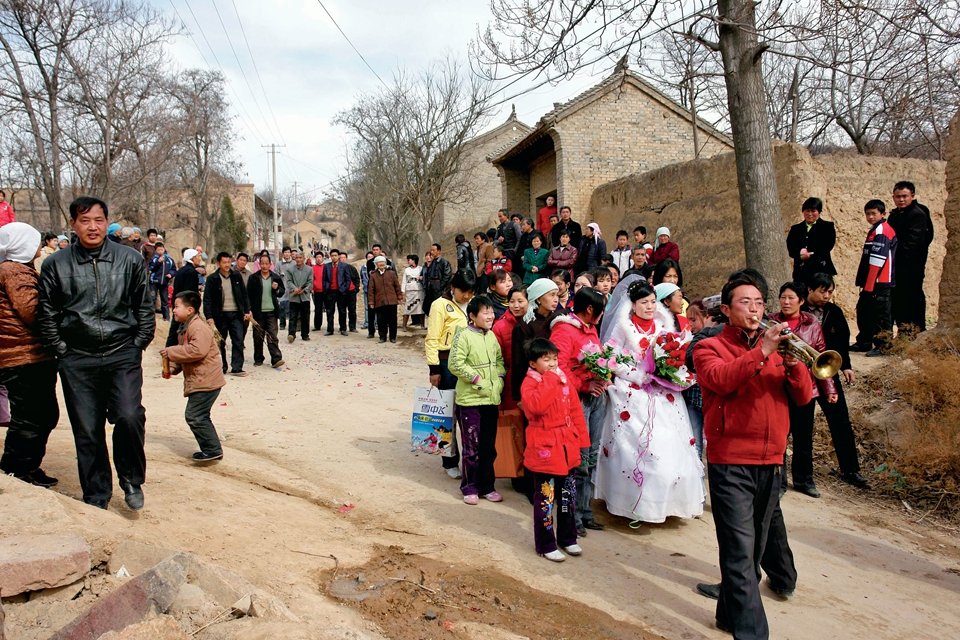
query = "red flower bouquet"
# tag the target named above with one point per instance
(667, 360)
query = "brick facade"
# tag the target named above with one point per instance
(621, 126)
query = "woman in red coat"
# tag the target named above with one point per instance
(555, 434)
(503, 330)
(665, 249)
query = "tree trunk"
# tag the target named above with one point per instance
(763, 233)
(949, 315)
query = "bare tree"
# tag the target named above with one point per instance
(407, 155)
(534, 36)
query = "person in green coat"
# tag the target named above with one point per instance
(477, 362)
(535, 261)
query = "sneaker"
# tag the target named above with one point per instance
(291, 338)
(454, 473)
(239, 374)
(393, 340)
(132, 495)
(590, 523)
(278, 364)
(581, 531)
(554, 556)
(328, 333)
(471, 499)
(574, 550)
(203, 456)
(493, 496)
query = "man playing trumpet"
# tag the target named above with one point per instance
(746, 384)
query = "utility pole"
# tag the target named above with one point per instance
(296, 203)
(277, 238)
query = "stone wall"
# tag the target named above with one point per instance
(699, 202)
(950, 282)
(623, 132)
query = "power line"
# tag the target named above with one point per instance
(242, 110)
(345, 37)
(253, 94)
(257, 71)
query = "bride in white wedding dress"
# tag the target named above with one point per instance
(648, 467)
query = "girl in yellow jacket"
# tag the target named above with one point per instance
(447, 314)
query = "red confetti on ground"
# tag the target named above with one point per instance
(448, 625)
(346, 508)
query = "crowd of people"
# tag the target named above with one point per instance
(624, 385)
(621, 383)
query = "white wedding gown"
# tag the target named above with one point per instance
(648, 468)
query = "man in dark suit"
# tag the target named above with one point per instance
(331, 287)
(348, 284)
(810, 242)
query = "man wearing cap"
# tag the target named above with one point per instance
(99, 333)
(185, 279)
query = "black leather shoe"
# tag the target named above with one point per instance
(723, 627)
(132, 495)
(328, 333)
(37, 478)
(807, 489)
(344, 333)
(856, 480)
(593, 524)
(581, 532)
(783, 592)
(203, 456)
(711, 591)
(860, 348)
(99, 504)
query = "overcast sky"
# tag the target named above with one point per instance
(310, 72)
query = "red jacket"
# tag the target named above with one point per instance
(667, 250)
(543, 220)
(502, 263)
(503, 329)
(556, 431)
(570, 335)
(6, 213)
(745, 413)
(318, 278)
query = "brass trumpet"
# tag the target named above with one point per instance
(823, 365)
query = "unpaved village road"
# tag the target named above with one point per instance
(317, 463)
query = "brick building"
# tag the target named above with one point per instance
(621, 126)
(478, 209)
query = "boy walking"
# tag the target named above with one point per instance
(198, 356)
(876, 278)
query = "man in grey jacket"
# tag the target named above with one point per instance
(299, 284)
(96, 313)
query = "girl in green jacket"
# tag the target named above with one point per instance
(476, 361)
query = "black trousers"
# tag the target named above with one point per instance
(841, 430)
(334, 304)
(743, 499)
(299, 313)
(94, 386)
(387, 321)
(801, 429)
(268, 324)
(874, 319)
(34, 412)
(908, 302)
(230, 323)
(319, 304)
(172, 336)
(347, 308)
(777, 560)
(197, 415)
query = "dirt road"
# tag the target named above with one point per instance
(317, 464)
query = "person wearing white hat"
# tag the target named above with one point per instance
(544, 298)
(671, 297)
(665, 248)
(185, 279)
(592, 248)
(27, 371)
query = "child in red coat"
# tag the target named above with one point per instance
(555, 435)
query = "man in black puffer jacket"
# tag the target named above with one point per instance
(96, 314)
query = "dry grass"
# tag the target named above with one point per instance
(909, 425)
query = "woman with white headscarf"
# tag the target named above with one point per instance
(543, 297)
(592, 248)
(27, 371)
(664, 248)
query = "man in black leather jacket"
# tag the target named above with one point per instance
(96, 314)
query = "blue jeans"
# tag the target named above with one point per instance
(594, 411)
(696, 424)
(366, 311)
